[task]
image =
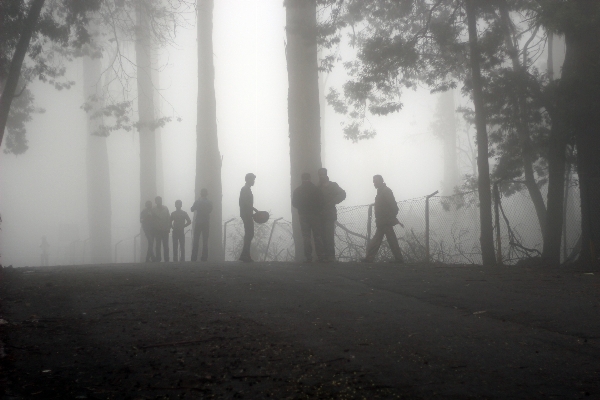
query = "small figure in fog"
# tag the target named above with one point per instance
(333, 194)
(386, 210)
(203, 207)
(44, 246)
(162, 227)
(247, 212)
(308, 199)
(179, 221)
(148, 225)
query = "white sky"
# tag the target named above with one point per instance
(46, 186)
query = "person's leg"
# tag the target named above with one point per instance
(315, 227)
(175, 238)
(306, 236)
(392, 240)
(149, 252)
(195, 242)
(157, 244)
(248, 235)
(166, 244)
(374, 244)
(182, 246)
(205, 233)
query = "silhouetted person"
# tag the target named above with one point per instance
(179, 221)
(148, 226)
(44, 246)
(386, 210)
(332, 194)
(162, 226)
(246, 212)
(203, 206)
(308, 199)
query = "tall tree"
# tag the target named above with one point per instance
(445, 128)
(208, 157)
(147, 123)
(483, 167)
(98, 176)
(303, 98)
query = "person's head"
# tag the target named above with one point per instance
(377, 181)
(322, 173)
(305, 177)
(148, 204)
(250, 178)
(178, 204)
(158, 201)
(203, 192)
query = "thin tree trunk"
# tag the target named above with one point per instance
(483, 166)
(556, 165)
(98, 174)
(14, 71)
(208, 157)
(146, 115)
(303, 98)
(448, 127)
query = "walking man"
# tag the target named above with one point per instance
(332, 194)
(162, 227)
(246, 212)
(308, 199)
(179, 221)
(386, 210)
(203, 206)
(148, 225)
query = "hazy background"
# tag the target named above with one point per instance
(43, 192)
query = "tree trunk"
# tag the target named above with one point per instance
(160, 177)
(14, 71)
(208, 157)
(145, 88)
(483, 166)
(556, 166)
(448, 131)
(303, 99)
(98, 174)
(581, 78)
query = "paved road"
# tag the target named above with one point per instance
(423, 330)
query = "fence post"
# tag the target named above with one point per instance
(117, 244)
(135, 248)
(225, 236)
(369, 223)
(427, 225)
(497, 222)
(270, 236)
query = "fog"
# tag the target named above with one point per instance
(43, 192)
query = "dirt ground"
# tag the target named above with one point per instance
(187, 331)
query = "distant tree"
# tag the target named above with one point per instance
(444, 127)
(208, 157)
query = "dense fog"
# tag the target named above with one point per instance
(43, 191)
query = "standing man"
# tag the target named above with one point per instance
(148, 225)
(332, 194)
(386, 210)
(179, 221)
(162, 227)
(308, 199)
(246, 212)
(203, 206)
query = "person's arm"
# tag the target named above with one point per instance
(188, 221)
(340, 195)
(193, 207)
(255, 210)
(295, 199)
(171, 220)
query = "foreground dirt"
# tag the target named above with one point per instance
(295, 331)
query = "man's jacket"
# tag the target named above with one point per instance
(386, 207)
(308, 199)
(332, 194)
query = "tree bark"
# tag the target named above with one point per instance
(14, 71)
(303, 99)
(145, 89)
(448, 132)
(483, 166)
(208, 157)
(98, 174)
